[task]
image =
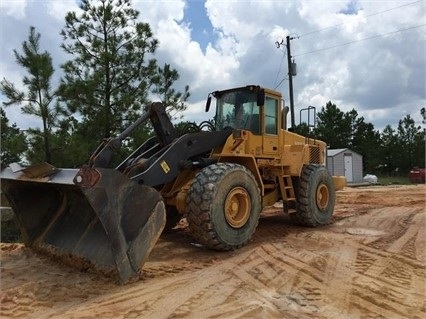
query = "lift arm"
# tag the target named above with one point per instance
(163, 127)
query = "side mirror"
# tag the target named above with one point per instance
(260, 97)
(209, 101)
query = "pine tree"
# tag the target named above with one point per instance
(108, 81)
(391, 152)
(334, 126)
(411, 139)
(366, 141)
(39, 98)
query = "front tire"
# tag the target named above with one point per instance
(315, 197)
(223, 206)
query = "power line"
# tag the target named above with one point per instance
(370, 15)
(364, 39)
(276, 87)
(279, 70)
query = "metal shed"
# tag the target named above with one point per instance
(345, 162)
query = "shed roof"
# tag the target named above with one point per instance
(336, 151)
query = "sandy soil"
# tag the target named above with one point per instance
(369, 263)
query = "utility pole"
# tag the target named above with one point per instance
(291, 72)
(290, 81)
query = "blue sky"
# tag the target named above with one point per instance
(359, 54)
(352, 8)
(195, 15)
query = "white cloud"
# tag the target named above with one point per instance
(14, 8)
(153, 11)
(58, 9)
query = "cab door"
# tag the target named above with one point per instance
(270, 127)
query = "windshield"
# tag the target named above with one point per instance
(237, 109)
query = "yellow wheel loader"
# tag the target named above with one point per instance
(219, 176)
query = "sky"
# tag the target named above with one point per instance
(359, 54)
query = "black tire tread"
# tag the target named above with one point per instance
(198, 202)
(304, 215)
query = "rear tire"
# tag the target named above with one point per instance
(315, 197)
(223, 206)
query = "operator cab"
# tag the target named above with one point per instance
(239, 108)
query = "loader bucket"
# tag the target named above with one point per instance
(94, 219)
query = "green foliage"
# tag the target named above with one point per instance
(12, 140)
(365, 140)
(185, 127)
(163, 82)
(393, 180)
(38, 98)
(330, 121)
(104, 87)
(411, 140)
(302, 129)
(140, 135)
(389, 152)
(111, 67)
(112, 71)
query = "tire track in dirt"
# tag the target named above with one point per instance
(403, 223)
(377, 269)
(420, 240)
(392, 301)
(388, 281)
(370, 308)
(310, 279)
(142, 299)
(234, 298)
(340, 272)
(410, 227)
(220, 296)
(391, 268)
(190, 292)
(243, 295)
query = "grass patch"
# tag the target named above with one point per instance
(393, 180)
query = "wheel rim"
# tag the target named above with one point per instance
(323, 197)
(237, 207)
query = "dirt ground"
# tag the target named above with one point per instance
(369, 263)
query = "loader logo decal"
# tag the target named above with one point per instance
(165, 167)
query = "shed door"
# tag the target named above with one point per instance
(348, 168)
